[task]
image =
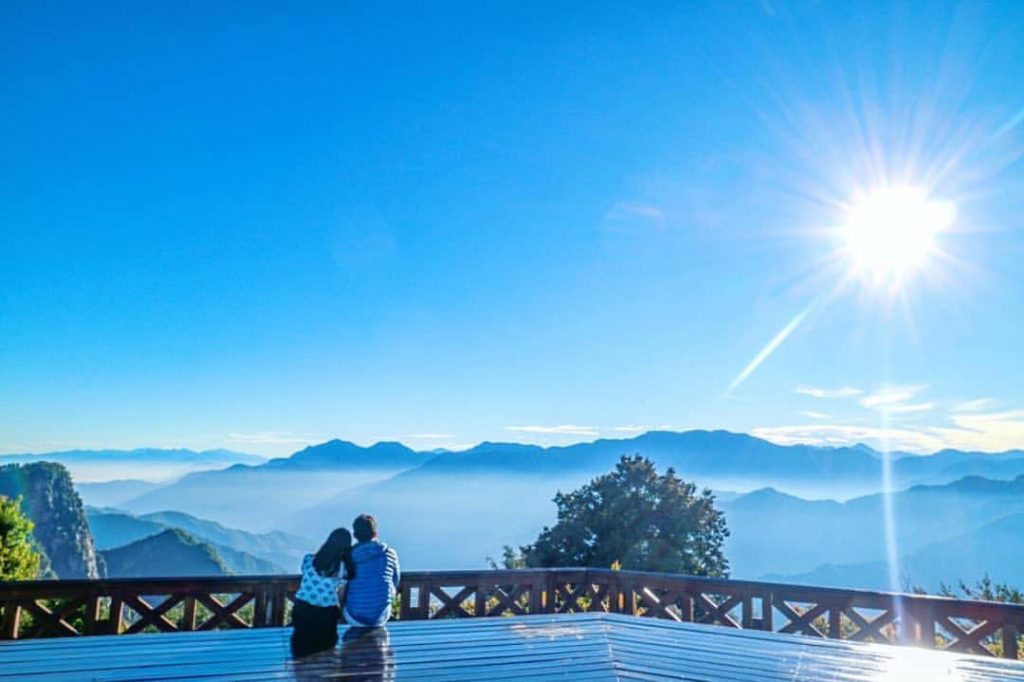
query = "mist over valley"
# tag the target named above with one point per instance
(798, 512)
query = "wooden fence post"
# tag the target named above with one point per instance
(536, 594)
(835, 630)
(926, 629)
(629, 601)
(423, 600)
(767, 608)
(1010, 646)
(686, 610)
(747, 614)
(12, 620)
(613, 593)
(923, 615)
(259, 609)
(405, 600)
(92, 614)
(188, 618)
(115, 620)
(480, 599)
(277, 603)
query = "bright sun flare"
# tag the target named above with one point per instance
(889, 234)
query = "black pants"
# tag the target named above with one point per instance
(315, 628)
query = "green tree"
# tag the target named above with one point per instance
(636, 519)
(19, 559)
(510, 559)
(984, 589)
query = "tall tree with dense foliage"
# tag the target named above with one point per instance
(19, 559)
(636, 519)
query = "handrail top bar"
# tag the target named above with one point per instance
(103, 583)
(231, 583)
(764, 586)
(750, 585)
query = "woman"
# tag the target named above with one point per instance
(317, 609)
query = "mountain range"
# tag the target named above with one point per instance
(241, 553)
(454, 509)
(781, 537)
(260, 497)
(275, 494)
(146, 463)
(995, 549)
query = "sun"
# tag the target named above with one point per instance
(889, 233)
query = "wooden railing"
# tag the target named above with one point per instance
(88, 607)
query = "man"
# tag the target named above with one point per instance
(369, 594)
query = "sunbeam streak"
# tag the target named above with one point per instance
(1007, 127)
(769, 348)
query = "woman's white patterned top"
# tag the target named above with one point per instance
(316, 589)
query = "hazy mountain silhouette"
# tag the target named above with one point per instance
(720, 458)
(241, 552)
(284, 549)
(111, 529)
(336, 454)
(259, 497)
(467, 495)
(453, 509)
(171, 553)
(994, 549)
(147, 463)
(113, 493)
(776, 534)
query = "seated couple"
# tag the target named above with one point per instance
(354, 582)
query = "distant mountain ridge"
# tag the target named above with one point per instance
(338, 453)
(258, 497)
(729, 455)
(135, 454)
(468, 494)
(692, 453)
(113, 493)
(149, 463)
(296, 492)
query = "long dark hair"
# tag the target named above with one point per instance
(335, 551)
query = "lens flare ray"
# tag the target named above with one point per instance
(770, 348)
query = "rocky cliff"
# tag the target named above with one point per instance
(61, 529)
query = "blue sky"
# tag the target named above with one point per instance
(258, 226)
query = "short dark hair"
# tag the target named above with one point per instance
(364, 527)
